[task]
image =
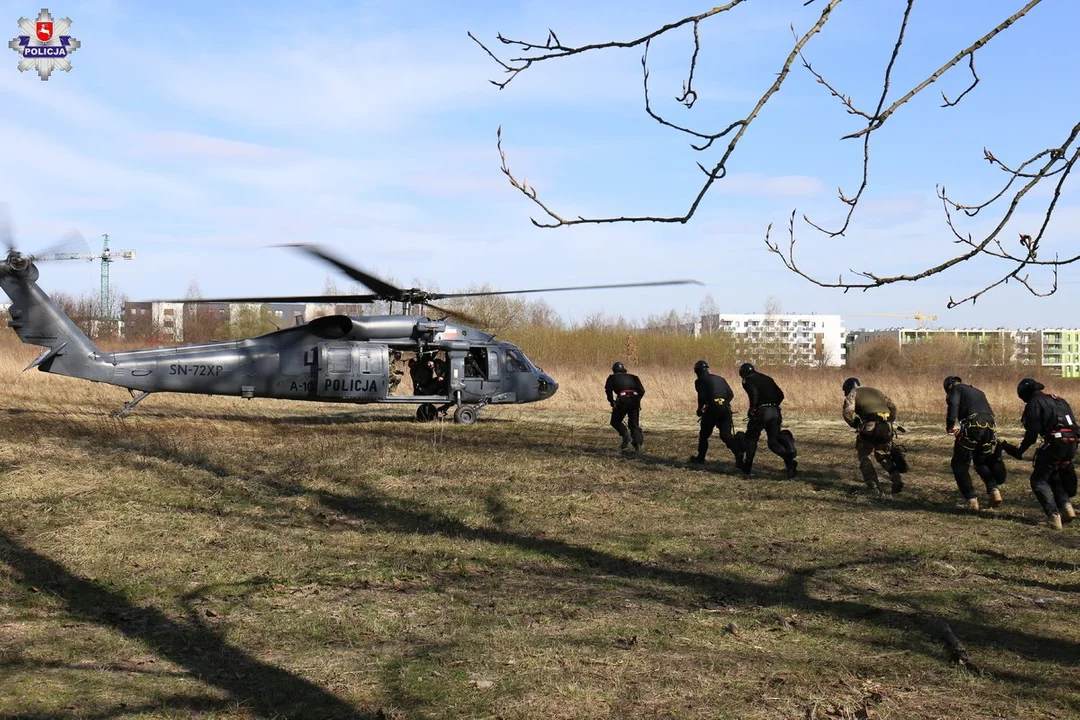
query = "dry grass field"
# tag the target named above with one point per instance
(223, 558)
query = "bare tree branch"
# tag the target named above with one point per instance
(852, 202)
(969, 50)
(1052, 163)
(719, 170)
(974, 82)
(552, 48)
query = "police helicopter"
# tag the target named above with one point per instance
(336, 358)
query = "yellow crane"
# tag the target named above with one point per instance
(917, 316)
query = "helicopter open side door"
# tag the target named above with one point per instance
(352, 370)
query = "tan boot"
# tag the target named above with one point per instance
(1054, 521)
(1068, 513)
(972, 504)
(995, 498)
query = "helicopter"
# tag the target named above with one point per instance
(335, 358)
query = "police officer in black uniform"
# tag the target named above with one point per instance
(624, 392)
(765, 397)
(714, 397)
(976, 441)
(1053, 477)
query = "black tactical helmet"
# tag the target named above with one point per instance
(745, 369)
(850, 384)
(701, 365)
(950, 381)
(618, 367)
(1027, 388)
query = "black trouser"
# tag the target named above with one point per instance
(770, 420)
(627, 407)
(1053, 478)
(717, 416)
(975, 445)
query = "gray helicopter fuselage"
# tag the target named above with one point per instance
(336, 358)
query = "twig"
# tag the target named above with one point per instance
(719, 170)
(959, 654)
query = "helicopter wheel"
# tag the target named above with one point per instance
(465, 415)
(426, 412)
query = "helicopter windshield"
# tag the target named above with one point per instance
(517, 362)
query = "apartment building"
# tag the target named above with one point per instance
(1056, 349)
(788, 338)
(169, 318)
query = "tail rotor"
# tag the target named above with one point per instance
(71, 245)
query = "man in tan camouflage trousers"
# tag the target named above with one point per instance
(872, 414)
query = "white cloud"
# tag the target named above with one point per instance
(185, 144)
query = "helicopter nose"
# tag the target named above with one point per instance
(548, 386)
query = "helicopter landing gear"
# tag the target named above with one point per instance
(465, 414)
(427, 412)
(135, 400)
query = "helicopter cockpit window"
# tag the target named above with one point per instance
(476, 363)
(515, 362)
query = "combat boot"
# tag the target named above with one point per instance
(1068, 513)
(792, 467)
(995, 498)
(1054, 521)
(897, 484)
(625, 442)
(696, 460)
(637, 448)
(972, 505)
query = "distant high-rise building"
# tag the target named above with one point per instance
(781, 338)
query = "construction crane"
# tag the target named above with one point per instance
(106, 257)
(917, 316)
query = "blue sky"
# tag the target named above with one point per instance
(198, 134)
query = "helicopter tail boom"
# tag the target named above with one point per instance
(38, 320)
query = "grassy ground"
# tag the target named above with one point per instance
(257, 559)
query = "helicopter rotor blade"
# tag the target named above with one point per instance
(440, 296)
(7, 235)
(72, 245)
(456, 313)
(335, 299)
(384, 289)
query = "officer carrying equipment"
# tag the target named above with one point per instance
(976, 441)
(873, 414)
(764, 413)
(714, 397)
(624, 392)
(1053, 476)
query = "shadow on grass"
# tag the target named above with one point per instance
(406, 517)
(907, 502)
(267, 690)
(173, 703)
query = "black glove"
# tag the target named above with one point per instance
(1011, 449)
(700, 412)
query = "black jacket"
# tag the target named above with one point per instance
(762, 390)
(1043, 415)
(965, 401)
(711, 387)
(623, 383)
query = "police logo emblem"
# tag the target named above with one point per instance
(44, 45)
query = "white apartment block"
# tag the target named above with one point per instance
(804, 339)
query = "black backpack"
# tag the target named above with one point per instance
(1064, 427)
